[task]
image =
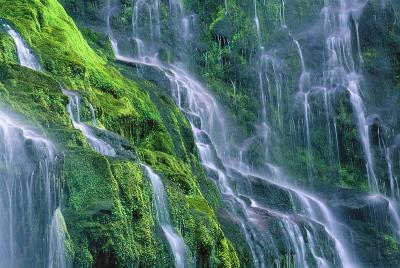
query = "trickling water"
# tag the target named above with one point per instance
(94, 121)
(363, 128)
(234, 92)
(74, 110)
(175, 241)
(321, 262)
(56, 255)
(146, 41)
(306, 118)
(257, 22)
(303, 66)
(394, 214)
(394, 185)
(282, 14)
(303, 94)
(295, 235)
(360, 58)
(340, 68)
(25, 55)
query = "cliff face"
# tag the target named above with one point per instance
(272, 124)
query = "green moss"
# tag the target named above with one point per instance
(8, 51)
(176, 171)
(108, 211)
(191, 213)
(227, 259)
(137, 208)
(67, 56)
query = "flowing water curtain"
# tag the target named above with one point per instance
(29, 183)
(236, 180)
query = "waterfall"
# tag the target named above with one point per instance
(340, 72)
(147, 43)
(56, 255)
(175, 241)
(303, 94)
(213, 144)
(340, 68)
(257, 22)
(74, 110)
(25, 54)
(29, 189)
(265, 61)
(233, 176)
(394, 185)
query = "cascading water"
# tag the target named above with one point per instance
(74, 110)
(233, 177)
(175, 241)
(30, 189)
(145, 41)
(28, 196)
(394, 185)
(303, 94)
(56, 256)
(340, 71)
(25, 55)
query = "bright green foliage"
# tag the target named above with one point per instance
(7, 48)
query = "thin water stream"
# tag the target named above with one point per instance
(74, 110)
(25, 54)
(178, 246)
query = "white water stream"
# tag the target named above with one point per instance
(25, 54)
(178, 246)
(74, 110)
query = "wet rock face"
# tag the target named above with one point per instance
(123, 148)
(270, 195)
(362, 207)
(371, 226)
